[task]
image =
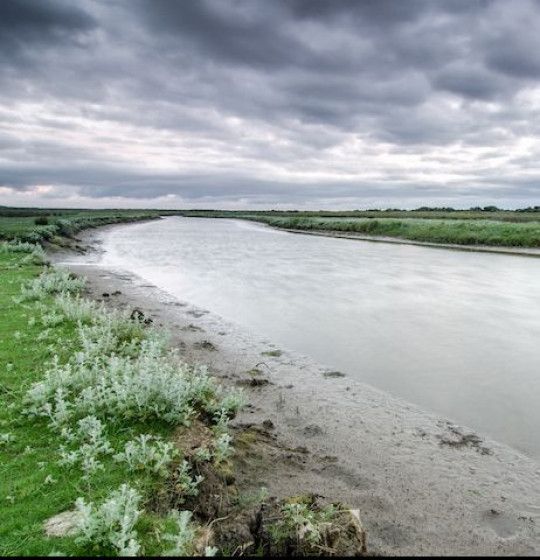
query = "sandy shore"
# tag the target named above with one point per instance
(422, 484)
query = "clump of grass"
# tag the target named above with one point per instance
(34, 253)
(302, 524)
(272, 353)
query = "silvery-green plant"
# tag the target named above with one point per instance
(186, 483)
(57, 409)
(303, 523)
(51, 319)
(16, 247)
(111, 524)
(78, 309)
(22, 247)
(44, 335)
(230, 403)
(202, 454)
(50, 282)
(221, 422)
(91, 443)
(183, 537)
(222, 448)
(151, 385)
(147, 453)
(6, 437)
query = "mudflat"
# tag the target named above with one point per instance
(422, 484)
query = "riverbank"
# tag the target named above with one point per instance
(518, 251)
(478, 231)
(422, 485)
(113, 444)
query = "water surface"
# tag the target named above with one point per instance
(455, 332)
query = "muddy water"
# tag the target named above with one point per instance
(455, 332)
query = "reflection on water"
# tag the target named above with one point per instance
(455, 332)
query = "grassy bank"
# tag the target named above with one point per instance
(531, 214)
(36, 226)
(91, 400)
(460, 232)
(467, 227)
(489, 226)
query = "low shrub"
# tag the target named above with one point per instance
(51, 282)
(147, 453)
(111, 525)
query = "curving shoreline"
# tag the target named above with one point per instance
(517, 251)
(422, 485)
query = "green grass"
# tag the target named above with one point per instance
(272, 353)
(493, 227)
(460, 232)
(490, 226)
(34, 485)
(26, 500)
(531, 214)
(21, 226)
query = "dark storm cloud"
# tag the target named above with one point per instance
(30, 24)
(38, 20)
(217, 99)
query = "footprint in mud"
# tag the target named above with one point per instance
(196, 313)
(351, 478)
(312, 430)
(205, 345)
(254, 382)
(501, 522)
(393, 535)
(293, 422)
(193, 328)
(457, 438)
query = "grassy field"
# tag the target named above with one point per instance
(460, 232)
(531, 214)
(492, 228)
(37, 225)
(34, 486)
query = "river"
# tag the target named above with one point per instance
(455, 332)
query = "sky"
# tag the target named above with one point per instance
(328, 104)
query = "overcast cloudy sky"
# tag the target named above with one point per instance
(270, 103)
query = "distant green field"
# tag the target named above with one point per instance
(488, 226)
(531, 214)
(460, 232)
(37, 225)
(496, 228)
